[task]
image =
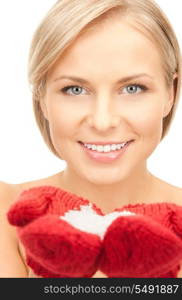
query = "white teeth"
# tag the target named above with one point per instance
(114, 147)
(100, 148)
(105, 148)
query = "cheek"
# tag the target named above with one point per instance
(147, 117)
(149, 125)
(62, 122)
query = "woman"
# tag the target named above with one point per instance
(106, 79)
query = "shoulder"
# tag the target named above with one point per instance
(53, 180)
(170, 193)
(9, 192)
(174, 194)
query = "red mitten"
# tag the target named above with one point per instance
(53, 247)
(31, 204)
(65, 236)
(138, 246)
(60, 248)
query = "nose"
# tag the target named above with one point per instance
(104, 115)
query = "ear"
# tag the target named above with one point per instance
(43, 107)
(171, 96)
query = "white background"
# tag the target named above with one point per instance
(23, 153)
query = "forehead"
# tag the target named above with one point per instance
(109, 48)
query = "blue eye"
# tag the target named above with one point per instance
(135, 88)
(75, 89)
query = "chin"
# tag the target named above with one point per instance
(105, 177)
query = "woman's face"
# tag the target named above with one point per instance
(122, 97)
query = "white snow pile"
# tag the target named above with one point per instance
(86, 219)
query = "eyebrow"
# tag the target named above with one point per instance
(122, 80)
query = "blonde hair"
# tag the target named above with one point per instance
(67, 19)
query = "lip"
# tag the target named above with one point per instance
(106, 157)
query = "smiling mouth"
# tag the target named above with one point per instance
(105, 147)
(104, 153)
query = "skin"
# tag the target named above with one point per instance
(103, 110)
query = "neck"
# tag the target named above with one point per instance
(137, 188)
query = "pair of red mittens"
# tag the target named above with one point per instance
(65, 236)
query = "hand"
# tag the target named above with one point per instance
(138, 246)
(57, 249)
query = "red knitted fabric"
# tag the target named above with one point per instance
(146, 244)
